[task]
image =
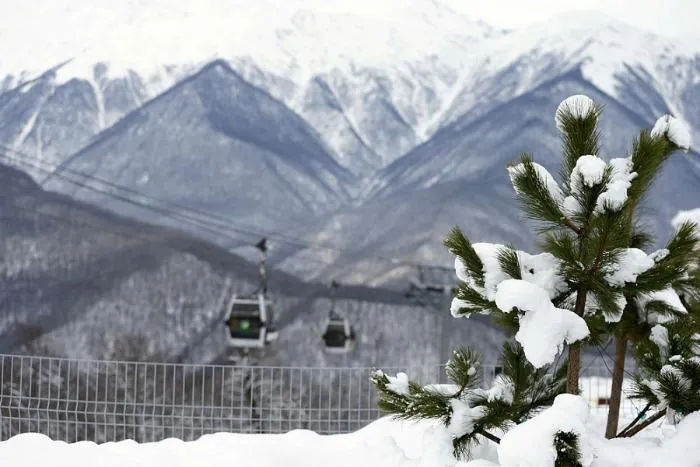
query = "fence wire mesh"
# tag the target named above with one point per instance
(101, 401)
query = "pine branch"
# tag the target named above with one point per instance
(579, 136)
(639, 416)
(570, 224)
(488, 435)
(648, 155)
(474, 301)
(567, 448)
(675, 266)
(509, 262)
(537, 191)
(461, 369)
(459, 245)
(599, 254)
(657, 416)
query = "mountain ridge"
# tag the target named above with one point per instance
(154, 150)
(460, 178)
(371, 117)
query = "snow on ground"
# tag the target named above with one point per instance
(384, 443)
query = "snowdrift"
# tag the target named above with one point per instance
(384, 443)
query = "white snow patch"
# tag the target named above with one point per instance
(552, 186)
(659, 336)
(398, 384)
(502, 389)
(615, 193)
(578, 105)
(383, 443)
(674, 129)
(678, 449)
(592, 307)
(493, 275)
(692, 215)
(621, 303)
(461, 270)
(631, 263)
(543, 328)
(477, 463)
(444, 389)
(659, 255)
(667, 296)
(589, 169)
(462, 417)
(570, 206)
(542, 270)
(531, 444)
(457, 304)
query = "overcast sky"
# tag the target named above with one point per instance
(667, 17)
(679, 18)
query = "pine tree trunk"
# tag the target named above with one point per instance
(618, 375)
(574, 367)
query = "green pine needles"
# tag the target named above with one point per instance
(593, 281)
(469, 412)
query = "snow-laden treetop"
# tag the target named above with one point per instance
(590, 251)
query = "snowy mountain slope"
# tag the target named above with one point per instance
(647, 72)
(374, 82)
(50, 119)
(407, 226)
(375, 61)
(216, 143)
(373, 90)
(459, 178)
(80, 282)
(61, 260)
(477, 147)
(301, 36)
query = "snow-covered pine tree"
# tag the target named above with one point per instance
(591, 281)
(592, 278)
(669, 380)
(468, 411)
(658, 299)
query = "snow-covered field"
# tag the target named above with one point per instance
(384, 443)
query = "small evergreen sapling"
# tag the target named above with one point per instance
(468, 411)
(592, 275)
(669, 360)
(591, 281)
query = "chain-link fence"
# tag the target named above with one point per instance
(74, 400)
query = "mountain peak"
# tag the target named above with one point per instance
(586, 18)
(311, 35)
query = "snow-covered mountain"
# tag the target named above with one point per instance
(79, 282)
(342, 71)
(219, 144)
(650, 74)
(420, 106)
(459, 177)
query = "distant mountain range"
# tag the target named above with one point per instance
(79, 282)
(353, 140)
